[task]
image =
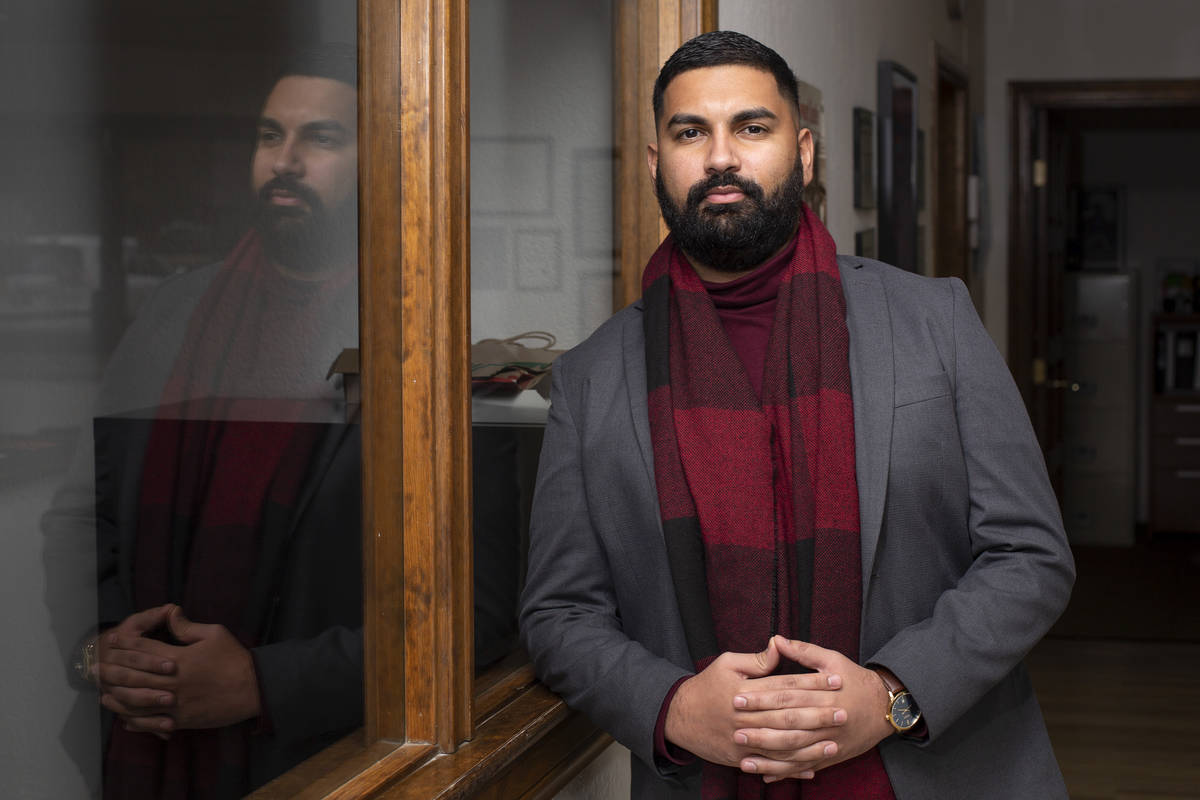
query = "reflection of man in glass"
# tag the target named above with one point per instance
(229, 645)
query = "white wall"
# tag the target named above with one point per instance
(1068, 40)
(835, 45)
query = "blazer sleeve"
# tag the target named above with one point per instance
(569, 617)
(1021, 570)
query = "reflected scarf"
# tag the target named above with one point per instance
(758, 498)
(219, 474)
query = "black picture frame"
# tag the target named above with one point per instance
(897, 159)
(864, 158)
(864, 243)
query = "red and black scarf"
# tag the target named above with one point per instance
(758, 497)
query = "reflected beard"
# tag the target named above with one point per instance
(306, 240)
(734, 237)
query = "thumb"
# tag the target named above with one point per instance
(762, 663)
(183, 628)
(808, 654)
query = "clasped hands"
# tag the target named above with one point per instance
(736, 713)
(206, 681)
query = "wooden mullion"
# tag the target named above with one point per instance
(381, 316)
(434, 394)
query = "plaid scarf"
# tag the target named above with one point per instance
(763, 490)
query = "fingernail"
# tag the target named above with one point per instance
(839, 716)
(808, 776)
(740, 738)
(740, 702)
(165, 666)
(830, 749)
(164, 699)
(749, 766)
(834, 681)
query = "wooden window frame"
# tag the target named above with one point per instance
(431, 729)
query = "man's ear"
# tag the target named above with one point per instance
(652, 162)
(807, 148)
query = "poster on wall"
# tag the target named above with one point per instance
(812, 112)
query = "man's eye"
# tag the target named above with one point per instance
(755, 130)
(324, 140)
(268, 136)
(689, 133)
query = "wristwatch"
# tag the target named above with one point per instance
(902, 711)
(85, 662)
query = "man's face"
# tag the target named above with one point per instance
(729, 167)
(305, 172)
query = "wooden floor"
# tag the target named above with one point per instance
(1124, 716)
(1119, 676)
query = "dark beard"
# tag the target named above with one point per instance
(309, 240)
(734, 237)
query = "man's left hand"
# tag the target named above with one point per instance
(214, 684)
(862, 695)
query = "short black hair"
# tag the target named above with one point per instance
(722, 48)
(334, 60)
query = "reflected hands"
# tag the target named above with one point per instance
(206, 682)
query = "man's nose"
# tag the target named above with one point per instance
(722, 153)
(287, 159)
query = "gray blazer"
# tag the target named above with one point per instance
(965, 562)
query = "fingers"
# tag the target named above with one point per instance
(136, 705)
(776, 691)
(112, 675)
(161, 725)
(121, 653)
(816, 725)
(801, 764)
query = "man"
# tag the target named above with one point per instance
(226, 519)
(791, 520)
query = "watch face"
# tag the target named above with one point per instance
(904, 711)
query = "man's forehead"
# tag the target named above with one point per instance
(297, 98)
(731, 87)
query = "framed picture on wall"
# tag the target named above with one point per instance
(864, 158)
(897, 158)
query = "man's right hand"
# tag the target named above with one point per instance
(703, 719)
(132, 684)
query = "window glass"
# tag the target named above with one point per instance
(541, 256)
(179, 454)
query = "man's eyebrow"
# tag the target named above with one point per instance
(267, 122)
(324, 125)
(753, 113)
(686, 119)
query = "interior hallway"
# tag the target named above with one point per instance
(1119, 676)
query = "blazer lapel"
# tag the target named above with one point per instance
(872, 379)
(633, 343)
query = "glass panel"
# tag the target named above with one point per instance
(541, 256)
(178, 273)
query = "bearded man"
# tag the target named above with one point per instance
(225, 518)
(792, 533)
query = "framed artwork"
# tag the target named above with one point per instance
(864, 243)
(897, 159)
(864, 158)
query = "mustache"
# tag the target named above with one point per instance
(746, 186)
(283, 183)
